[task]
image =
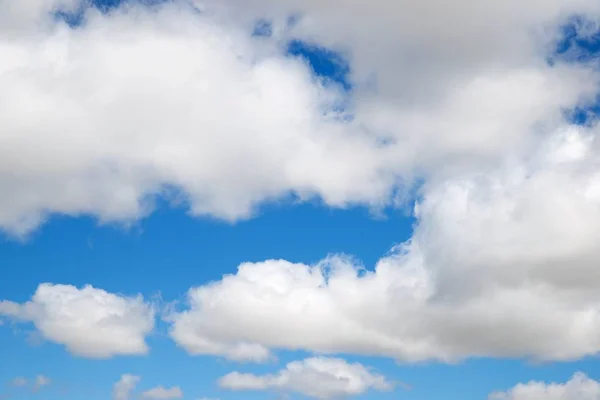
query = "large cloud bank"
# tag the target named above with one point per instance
(180, 101)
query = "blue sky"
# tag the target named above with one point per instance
(150, 150)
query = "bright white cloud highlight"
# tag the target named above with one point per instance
(580, 387)
(501, 264)
(162, 393)
(123, 388)
(90, 322)
(322, 378)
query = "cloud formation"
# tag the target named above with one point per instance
(90, 322)
(123, 388)
(580, 387)
(179, 102)
(501, 264)
(162, 393)
(319, 377)
(186, 105)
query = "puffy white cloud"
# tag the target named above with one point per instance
(90, 322)
(501, 264)
(123, 388)
(450, 84)
(135, 104)
(322, 378)
(162, 393)
(184, 104)
(178, 101)
(580, 387)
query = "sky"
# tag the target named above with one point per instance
(284, 199)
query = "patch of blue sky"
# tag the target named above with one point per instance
(580, 43)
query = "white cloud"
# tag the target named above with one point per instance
(322, 378)
(90, 322)
(580, 387)
(179, 101)
(123, 388)
(501, 264)
(100, 119)
(162, 393)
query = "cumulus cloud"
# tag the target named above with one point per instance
(187, 105)
(162, 393)
(178, 101)
(182, 102)
(322, 378)
(501, 264)
(90, 322)
(580, 387)
(123, 388)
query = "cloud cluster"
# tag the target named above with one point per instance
(501, 264)
(90, 322)
(138, 104)
(580, 387)
(181, 102)
(321, 378)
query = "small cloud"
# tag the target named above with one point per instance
(125, 386)
(162, 393)
(317, 377)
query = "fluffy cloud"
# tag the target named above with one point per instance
(187, 105)
(322, 378)
(580, 387)
(89, 322)
(179, 101)
(123, 388)
(501, 264)
(162, 393)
